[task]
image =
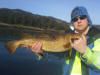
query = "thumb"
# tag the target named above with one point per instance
(83, 37)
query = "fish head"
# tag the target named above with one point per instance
(75, 36)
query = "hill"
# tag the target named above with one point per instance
(23, 18)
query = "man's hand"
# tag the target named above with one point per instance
(80, 44)
(36, 47)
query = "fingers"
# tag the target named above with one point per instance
(79, 44)
(83, 37)
(75, 41)
(31, 47)
(37, 47)
(34, 45)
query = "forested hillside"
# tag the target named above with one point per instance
(23, 18)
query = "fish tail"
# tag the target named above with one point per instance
(11, 46)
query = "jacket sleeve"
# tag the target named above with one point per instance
(92, 56)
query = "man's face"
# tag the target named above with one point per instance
(80, 23)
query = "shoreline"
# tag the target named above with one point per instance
(28, 27)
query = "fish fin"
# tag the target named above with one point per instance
(67, 45)
(11, 46)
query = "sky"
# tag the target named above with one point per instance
(60, 9)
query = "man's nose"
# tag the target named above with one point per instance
(79, 20)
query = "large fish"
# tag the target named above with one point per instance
(51, 43)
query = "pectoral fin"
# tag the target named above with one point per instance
(67, 45)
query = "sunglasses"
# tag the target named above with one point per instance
(81, 18)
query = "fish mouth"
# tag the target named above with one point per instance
(73, 39)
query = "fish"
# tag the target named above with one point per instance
(50, 43)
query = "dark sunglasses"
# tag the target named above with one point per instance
(81, 18)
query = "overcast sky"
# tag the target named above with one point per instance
(60, 9)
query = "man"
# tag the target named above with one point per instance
(86, 50)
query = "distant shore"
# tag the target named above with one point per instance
(26, 27)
